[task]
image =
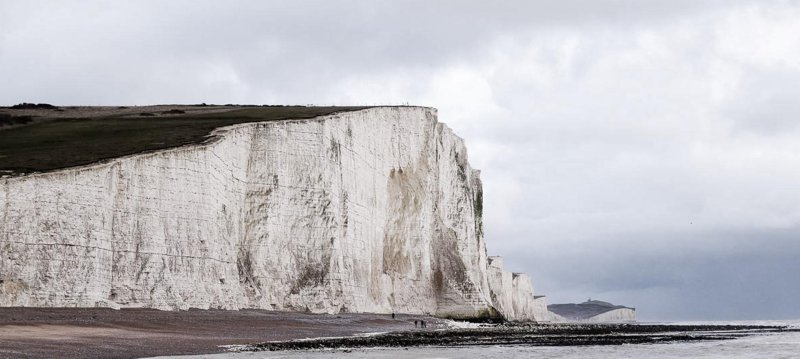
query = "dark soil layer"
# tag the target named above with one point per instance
(133, 333)
(36, 138)
(535, 335)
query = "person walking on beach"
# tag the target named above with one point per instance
(392, 315)
(415, 323)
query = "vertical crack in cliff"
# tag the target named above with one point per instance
(406, 197)
(450, 271)
(478, 208)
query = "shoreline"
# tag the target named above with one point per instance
(529, 334)
(136, 333)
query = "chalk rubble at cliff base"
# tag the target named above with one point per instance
(376, 210)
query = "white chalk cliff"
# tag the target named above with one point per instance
(375, 210)
(592, 311)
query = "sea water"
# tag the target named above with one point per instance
(780, 345)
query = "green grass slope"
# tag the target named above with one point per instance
(46, 140)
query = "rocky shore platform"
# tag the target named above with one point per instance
(532, 335)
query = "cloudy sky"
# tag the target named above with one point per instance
(641, 152)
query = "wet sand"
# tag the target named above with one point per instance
(133, 333)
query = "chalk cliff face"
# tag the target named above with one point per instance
(595, 311)
(512, 294)
(616, 315)
(376, 210)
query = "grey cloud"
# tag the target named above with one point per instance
(771, 107)
(298, 47)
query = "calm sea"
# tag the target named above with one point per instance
(784, 345)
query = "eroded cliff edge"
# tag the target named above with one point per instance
(374, 210)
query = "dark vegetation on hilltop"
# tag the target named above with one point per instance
(73, 137)
(31, 106)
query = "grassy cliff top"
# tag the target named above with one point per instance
(39, 138)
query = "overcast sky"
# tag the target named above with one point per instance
(641, 152)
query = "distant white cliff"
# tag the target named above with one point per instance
(375, 210)
(592, 311)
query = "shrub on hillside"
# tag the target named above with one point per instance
(33, 106)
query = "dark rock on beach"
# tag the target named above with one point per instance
(534, 335)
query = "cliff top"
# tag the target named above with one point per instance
(42, 137)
